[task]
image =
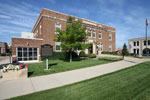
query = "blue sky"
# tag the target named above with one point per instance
(127, 16)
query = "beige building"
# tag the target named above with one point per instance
(138, 46)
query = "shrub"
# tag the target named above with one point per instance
(3, 54)
(62, 55)
(91, 55)
(82, 54)
(107, 52)
(110, 58)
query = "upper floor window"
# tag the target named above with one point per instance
(90, 33)
(100, 35)
(148, 42)
(137, 43)
(57, 26)
(110, 36)
(94, 34)
(144, 42)
(134, 43)
(40, 29)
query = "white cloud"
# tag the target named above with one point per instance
(4, 16)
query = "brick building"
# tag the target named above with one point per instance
(102, 36)
(3, 47)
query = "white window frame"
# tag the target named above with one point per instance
(27, 54)
(40, 29)
(94, 32)
(100, 47)
(99, 35)
(110, 35)
(90, 36)
(57, 26)
(57, 44)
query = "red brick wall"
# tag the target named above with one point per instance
(48, 30)
(22, 42)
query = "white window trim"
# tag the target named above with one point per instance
(89, 31)
(101, 35)
(111, 36)
(57, 43)
(95, 34)
(27, 54)
(55, 28)
(40, 29)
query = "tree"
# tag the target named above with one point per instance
(125, 50)
(73, 37)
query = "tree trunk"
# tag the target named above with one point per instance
(70, 55)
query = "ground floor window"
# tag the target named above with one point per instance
(26, 54)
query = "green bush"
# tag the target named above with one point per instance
(91, 55)
(110, 58)
(107, 52)
(62, 55)
(82, 54)
(3, 54)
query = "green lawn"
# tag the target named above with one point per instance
(129, 84)
(56, 66)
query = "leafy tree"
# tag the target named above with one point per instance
(125, 50)
(73, 37)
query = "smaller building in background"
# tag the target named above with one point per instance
(137, 46)
(3, 47)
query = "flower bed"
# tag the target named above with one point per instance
(12, 72)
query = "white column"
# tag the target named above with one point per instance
(94, 48)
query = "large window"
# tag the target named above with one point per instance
(26, 54)
(100, 35)
(57, 26)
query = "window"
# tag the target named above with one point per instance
(137, 43)
(40, 29)
(100, 35)
(144, 42)
(110, 36)
(134, 43)
(148, 42)
(57, 26)
(26, 54)
(58, 47)
(110, 48)
(100, 47)
(94, 34)
(89, 32)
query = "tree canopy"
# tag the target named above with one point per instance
(73, 37)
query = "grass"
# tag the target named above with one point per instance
(37, 69)
(128, 84)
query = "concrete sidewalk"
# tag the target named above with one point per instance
(20, 87)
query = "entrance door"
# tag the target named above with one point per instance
(90, 50)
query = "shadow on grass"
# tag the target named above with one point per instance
(30, 73)
(50, 65)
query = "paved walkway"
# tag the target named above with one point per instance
(19, 87)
